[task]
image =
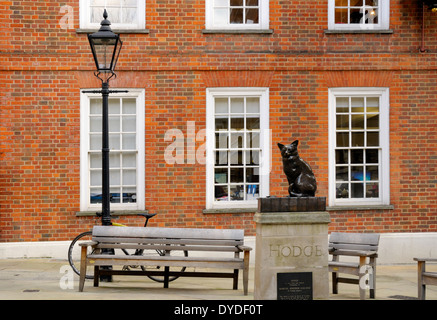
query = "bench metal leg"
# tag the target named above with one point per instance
(96, 276)
(235, 286)
(334, 283)
(166, 276)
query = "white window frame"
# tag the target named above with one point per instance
(262, 25)
(265, 154)
(85, 205)
(383, 19)
(84, 14)
(384, 137)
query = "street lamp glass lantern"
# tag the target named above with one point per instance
(105, 46)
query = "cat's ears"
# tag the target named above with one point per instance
(295, 143)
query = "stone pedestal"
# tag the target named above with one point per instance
(291, 242)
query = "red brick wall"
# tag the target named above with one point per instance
(43, 67)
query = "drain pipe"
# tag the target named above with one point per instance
(422, 46)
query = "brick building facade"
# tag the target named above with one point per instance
(233, 78)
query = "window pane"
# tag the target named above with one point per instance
(342, 190)
(357, 104)
(221, 193)
(221, 140)
(342, 174)
(221, 105)
(251, 16)
(372, 104)
(129, 160)
(237, 192)
(341, 157)
(237, 140)
(373, 121)
(114, 106)
(252, 157)
(357, 156)
(95, 106)
(114, 142)
(237, 105)
(252, 105)
(96, 178)
(129, 106)
(95, 142)
(129, 195)
(373, 139)
(96, 161)
(114, 160)
(252, 140)
(343, 122)
(129, 141)
(343, 139)
(357, 190)
(252, 192)
(372, 156)
(96, 124)
(252, 3)
(357, 173)
(236, 16)
(252, 123)
(129, 177)
(114, 177)
(342, 104)
(372, 190)
(129, 124)
(372, 173)
(252, 174)
(358, 121)
(221, 124)
(221, 158)
(221, 175)
(237, 174)
(237, 123)
(114, 124)
(357, 139)
(236, 158)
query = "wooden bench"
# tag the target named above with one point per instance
(361, 245)
(424, 278)
(197, 242)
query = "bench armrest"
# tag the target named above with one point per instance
(426, 259)
(357, 253)
(88, 244)
(244, 248)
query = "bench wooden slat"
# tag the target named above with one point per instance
(370, 239)
(176, 233)
(214, 242)
(170, 248)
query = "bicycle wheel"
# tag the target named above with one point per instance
(74, 254)
(183, 253)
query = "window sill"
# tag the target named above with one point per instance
(122, 31)
(356, 208)
(237, 31)
(230, 210)
(114, 213)
(389, 31)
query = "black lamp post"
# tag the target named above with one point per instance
(105, 46)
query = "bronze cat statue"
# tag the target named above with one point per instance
(301, 179)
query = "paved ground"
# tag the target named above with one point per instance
(43, 279)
